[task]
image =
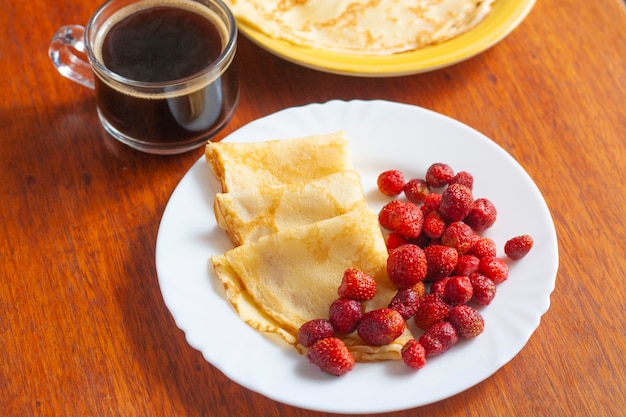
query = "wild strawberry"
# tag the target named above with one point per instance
(483, 289)
(393, 240)
(331, 355)
(466, 265)
(440, 261)
(438, 338)
(431, 309)
(416, 190)
(419, 288)
(518, 247)
(422, 240)
(439, 174)
(456, 202)
(385, 213)
(459, 236)
(431, 203)
(467, 322)
(413, 354)
(314, 330)
(357, 285)
(344, 314)
(406, 219)
(482, 215)
(494, 268)
(406, 265)
(405, 302)
(381, 326)
(458, 290)
(391, 182)
(433, 225)
(439, 286)
(463, 178)
(484, 246)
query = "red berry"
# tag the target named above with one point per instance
(440, 261)
(381, 326)
(385, 213)
(357, 285)
(405, 302)
(314, 330)
(431, 309)
(494, 268)
(439, 286)
(439, 174)
(459, 236)
(456, 202)
(431, 203)
(467, 322)
(406, 265)
(419, 288)
(394, 240)
(413, 354)
(344, 314)
(483, 289)
(331, 355)
(433, 225)
(463, 178)
(391, 182)
(406, 220)
(466, 265)
(422, 241)
(484, 246)
(458, 290)
(482, 215)
(518, 247)
(416, 190)
(438, 338)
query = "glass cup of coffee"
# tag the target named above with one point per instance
(163, 70)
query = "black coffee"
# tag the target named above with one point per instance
(161, 44)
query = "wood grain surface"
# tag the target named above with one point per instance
(85, 331)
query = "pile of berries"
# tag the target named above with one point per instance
(377, 327)
(433, 240)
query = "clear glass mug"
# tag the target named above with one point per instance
(172, 115)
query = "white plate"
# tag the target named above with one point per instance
(383, 135)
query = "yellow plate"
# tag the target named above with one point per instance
(504, 17)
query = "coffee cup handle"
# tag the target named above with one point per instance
(67, 53)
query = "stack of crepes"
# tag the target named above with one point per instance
(296, 213)
(364, 27)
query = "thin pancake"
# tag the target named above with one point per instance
(287, 278)
(248, 214)
(366, 27)
(277, 162)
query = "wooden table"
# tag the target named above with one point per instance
(85, 331)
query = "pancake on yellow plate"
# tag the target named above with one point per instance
(364, 27)
(277, 162)
(248, 214)
(282, 280)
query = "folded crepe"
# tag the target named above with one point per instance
(363, 27)
(248, 214)
(282, 280)
(238, 166)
